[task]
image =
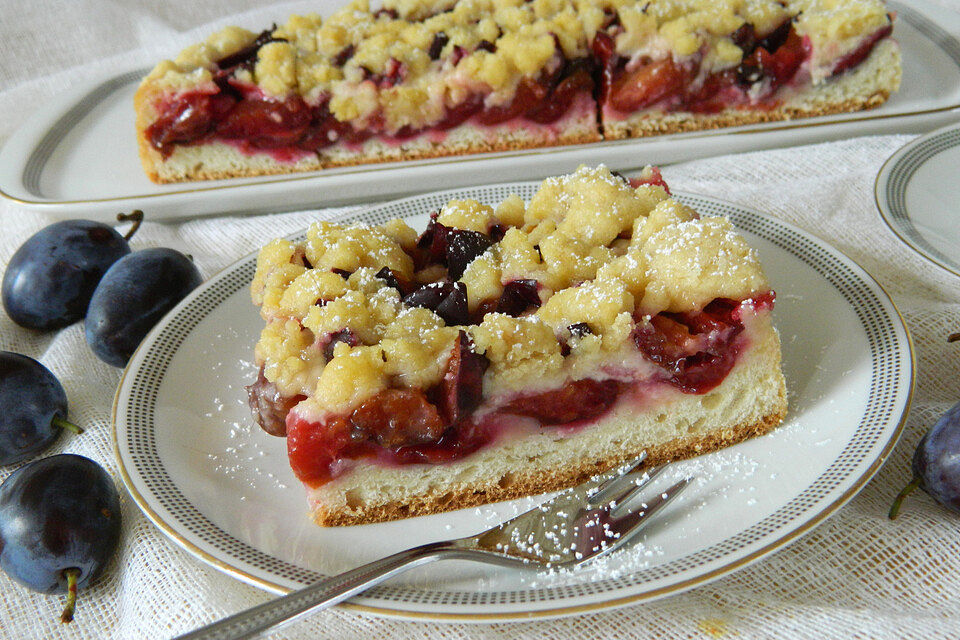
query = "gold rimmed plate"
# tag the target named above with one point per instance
(218, 486)
(916, 193)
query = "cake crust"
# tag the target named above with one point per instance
(202, 162)
(544, 481)
(646, 126)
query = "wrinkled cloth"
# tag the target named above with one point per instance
(857, 575)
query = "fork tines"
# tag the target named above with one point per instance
(582, 523)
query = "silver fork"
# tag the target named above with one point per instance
(576, 526)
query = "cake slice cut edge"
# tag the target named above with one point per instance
(219, 160)
(867, 86)
(751, 402)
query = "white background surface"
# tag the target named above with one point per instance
(857, 575)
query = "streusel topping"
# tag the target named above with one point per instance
(592, 255)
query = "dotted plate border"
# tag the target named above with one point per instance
(891, 368)
(890, 191)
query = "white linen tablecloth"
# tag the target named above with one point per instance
(858, 575)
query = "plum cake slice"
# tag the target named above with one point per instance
(409, 80)
(715, 64)
(423, 78)
(511, 351)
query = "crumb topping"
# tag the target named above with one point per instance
(592, 255)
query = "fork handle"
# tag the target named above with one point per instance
(320, 595)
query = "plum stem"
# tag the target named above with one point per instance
(895, 508)
(953, 337)
(136, 217)
(66, 424)
(72, 575)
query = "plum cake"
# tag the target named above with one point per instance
(511, 350)
(424, 78)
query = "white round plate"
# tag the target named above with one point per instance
(221, 488)
(917, 193)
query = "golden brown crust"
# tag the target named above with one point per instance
(540, 481)
(152, 159)
(652, 125)
(439, 151)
